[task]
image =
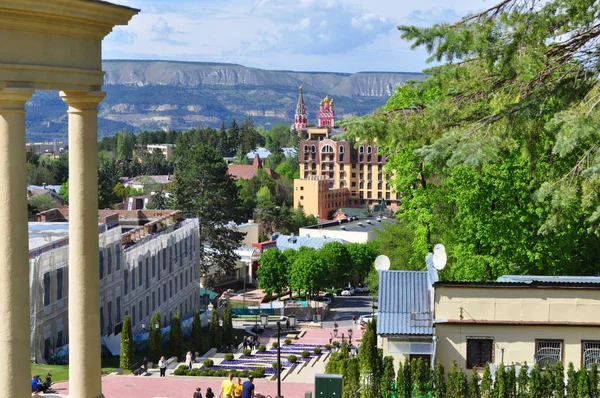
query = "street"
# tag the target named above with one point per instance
(343, 307)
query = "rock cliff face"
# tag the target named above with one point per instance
(145, 95)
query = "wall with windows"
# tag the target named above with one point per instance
(514, 323)
(161, 274)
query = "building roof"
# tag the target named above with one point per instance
(285, 242)
(404, 303)
(45, 233)
(247, 171)
(531, 281)
(147, 180)
(548, 279)
(353, 224)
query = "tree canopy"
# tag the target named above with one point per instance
(496, 152)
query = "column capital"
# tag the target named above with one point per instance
(13, 99)
(82, 100)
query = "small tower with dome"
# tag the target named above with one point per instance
(301, 118)
(326, 116)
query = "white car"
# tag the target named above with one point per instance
(367, 318)
(348, 291)
(361, 289)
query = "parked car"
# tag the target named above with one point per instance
(361, 289)
(348, 291)
(329, 295)
(366, 318)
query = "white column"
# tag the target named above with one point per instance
(14, 264)
(84, 282)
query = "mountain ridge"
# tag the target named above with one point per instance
(178, 95)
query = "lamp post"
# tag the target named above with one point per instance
(278, 360)
(264, 319)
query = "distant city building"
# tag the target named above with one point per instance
(144, 182)
(166, 149)
(148, 263)
(247, 171)
(301, 117)
(48, 147)
(352, 229)
(284, 242)
(335, 174)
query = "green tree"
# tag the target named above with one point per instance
(227, 325)
(400, 384)
(125, 145)
(215, 330)
(273, 271)
(583, 384)
(159, 201)
(202, 188)
(523, 381)
(457, 382)
(593, 381)
(107, 179)
(175, 336)
(559, 380)
(196, 332)
(155, 337)
(486, 382)
(64, 191)
(351, 378)
(337, 258)
(126, 355)
(474, 391)
(572, 380)
(388, 377)
(306, 272)
(500, 386)
(439, 381)
(511, 381)
(368, 355)
(42, 203)
(535, 382)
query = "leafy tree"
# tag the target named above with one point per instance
(351, 377)
(406, 378)
(439, 381)
(511, 381)
(42, 203)
(307, 270)
(126, 355)
(486, 381)
(227, 325)
(107, 179)
(523, 381)
(175, 335)
(500, 385)
(336, 256)
(457, 382)
(583, 384)
(400, 384)
(273, 271)
(474, 391)
(203, 188)
(159, 201)
(368, 355)
(125, 144)
(155, 337)
(196, 332)
(559, 380)
(388, 377)
(572, 380)
(593, 381)
(535, 382)
(64, 191)
(215, 329)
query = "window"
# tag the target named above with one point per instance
(59, 339)
(548, 352)
(110, 324)
(369, 149)
(301, 197)
(590, 351)
(109, 261)
(118, 256)
(342, 149)
(101, 256)
(132, 279)
(361, 149)
(153, 266)
(165, 292)
(126, 281)
(140, 276)
(154, 300)
(171, 288)
(480, 350)
(181, 281)
(133, 315)
(147, 273)
(101, 320)
(47, 288)
(175, 284)
(59, 284)
(147, 305)
(158, 294)
(140, 308)
(164, 258)
(118, 309)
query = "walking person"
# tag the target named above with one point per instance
(245, 342)
(236, 343)
(197, 393)
(237, 388)
(162, 365)
(210, 393)
(227, 387)
(188, 360)
(354, 320)
(248, 388)
(330, 338)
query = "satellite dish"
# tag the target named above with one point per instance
(382, 263)
(439, 257)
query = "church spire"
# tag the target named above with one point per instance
(301, 118)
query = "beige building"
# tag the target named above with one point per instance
(166, 149)
(519, 319)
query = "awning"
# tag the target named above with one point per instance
(211, 294)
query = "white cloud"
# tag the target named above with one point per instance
(333, 35)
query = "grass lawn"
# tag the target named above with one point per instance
(111, 364)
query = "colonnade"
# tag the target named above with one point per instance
(84, 284)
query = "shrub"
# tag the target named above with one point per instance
(181, 371)
(258, 372)
(287, 341)
(305, 354)
(292, 358)
(336, 344)
(328, 346)
(262, 348)
(247, 352)
(317, 350)
(276, 365)
(228, 357)
(275, 345)
(208, 363)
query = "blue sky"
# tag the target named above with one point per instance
(307, 35)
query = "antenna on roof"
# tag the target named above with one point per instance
(382, 263)
(439, 257)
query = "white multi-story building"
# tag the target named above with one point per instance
(148, 262)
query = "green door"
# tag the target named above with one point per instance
(328, 386)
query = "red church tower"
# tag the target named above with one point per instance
(326, 115)
(301, 119)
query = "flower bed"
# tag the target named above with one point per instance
(268, 369)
